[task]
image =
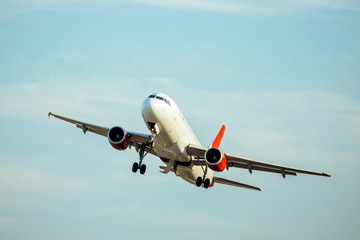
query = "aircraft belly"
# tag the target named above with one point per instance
(171, 141)
(174, 151)
(166, 152)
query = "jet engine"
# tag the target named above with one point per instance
(215, 159)
(118, 138)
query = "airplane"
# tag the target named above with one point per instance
(173, 141)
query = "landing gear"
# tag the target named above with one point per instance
(142, 154)
(206, 183)
(142, 169)
(198, 181)
(203, 180)
(135, 167)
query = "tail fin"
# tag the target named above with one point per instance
(217, 140)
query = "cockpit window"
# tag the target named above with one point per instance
(167, 101)
(160, 98)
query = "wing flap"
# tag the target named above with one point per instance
(234, 184)
(259, 168)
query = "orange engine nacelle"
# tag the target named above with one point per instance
(118, 138)
(215, 159)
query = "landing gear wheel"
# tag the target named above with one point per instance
(142, 153)
(198, 181)
(142, 168)
(207, 183)
(135, 167)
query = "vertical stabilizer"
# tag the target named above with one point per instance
(217, 140)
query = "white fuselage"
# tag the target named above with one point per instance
(171, 135)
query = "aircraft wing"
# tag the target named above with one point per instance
(135, 138)
(240, 162)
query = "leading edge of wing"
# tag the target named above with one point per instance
(234, 184)
(264, 166)
(84, 126)
(136, 137)
(250, 164)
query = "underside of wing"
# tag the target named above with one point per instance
(250, 164)
(196, 151)
(84, 126)
(136, 139)
(234, 184)
(240, 162)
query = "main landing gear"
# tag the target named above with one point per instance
(139, 165)
(142, 168)
(203, 180)
(200, 180)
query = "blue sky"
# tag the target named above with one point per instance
(282, 75)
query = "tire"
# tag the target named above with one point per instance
(207, 183)
(143, 169)
(198, 181)
(135, 167)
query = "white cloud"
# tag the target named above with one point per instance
(312, 99)
(20, 179)
(225, 6)
(163, 80)
(228, 6)
(73, 57)
(33, 100)
(301, 128)
(215, 6)
(330, 4)
(300, 125)
(6, 221)
(27, 100)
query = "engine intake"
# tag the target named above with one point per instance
(118, 138)
(215, 159)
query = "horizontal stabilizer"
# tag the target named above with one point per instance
(234, 184)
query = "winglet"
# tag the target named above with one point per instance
(217, 140)
(50, 113)
(330, 175)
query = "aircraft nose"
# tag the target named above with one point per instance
(150, 109)
(146, 106)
